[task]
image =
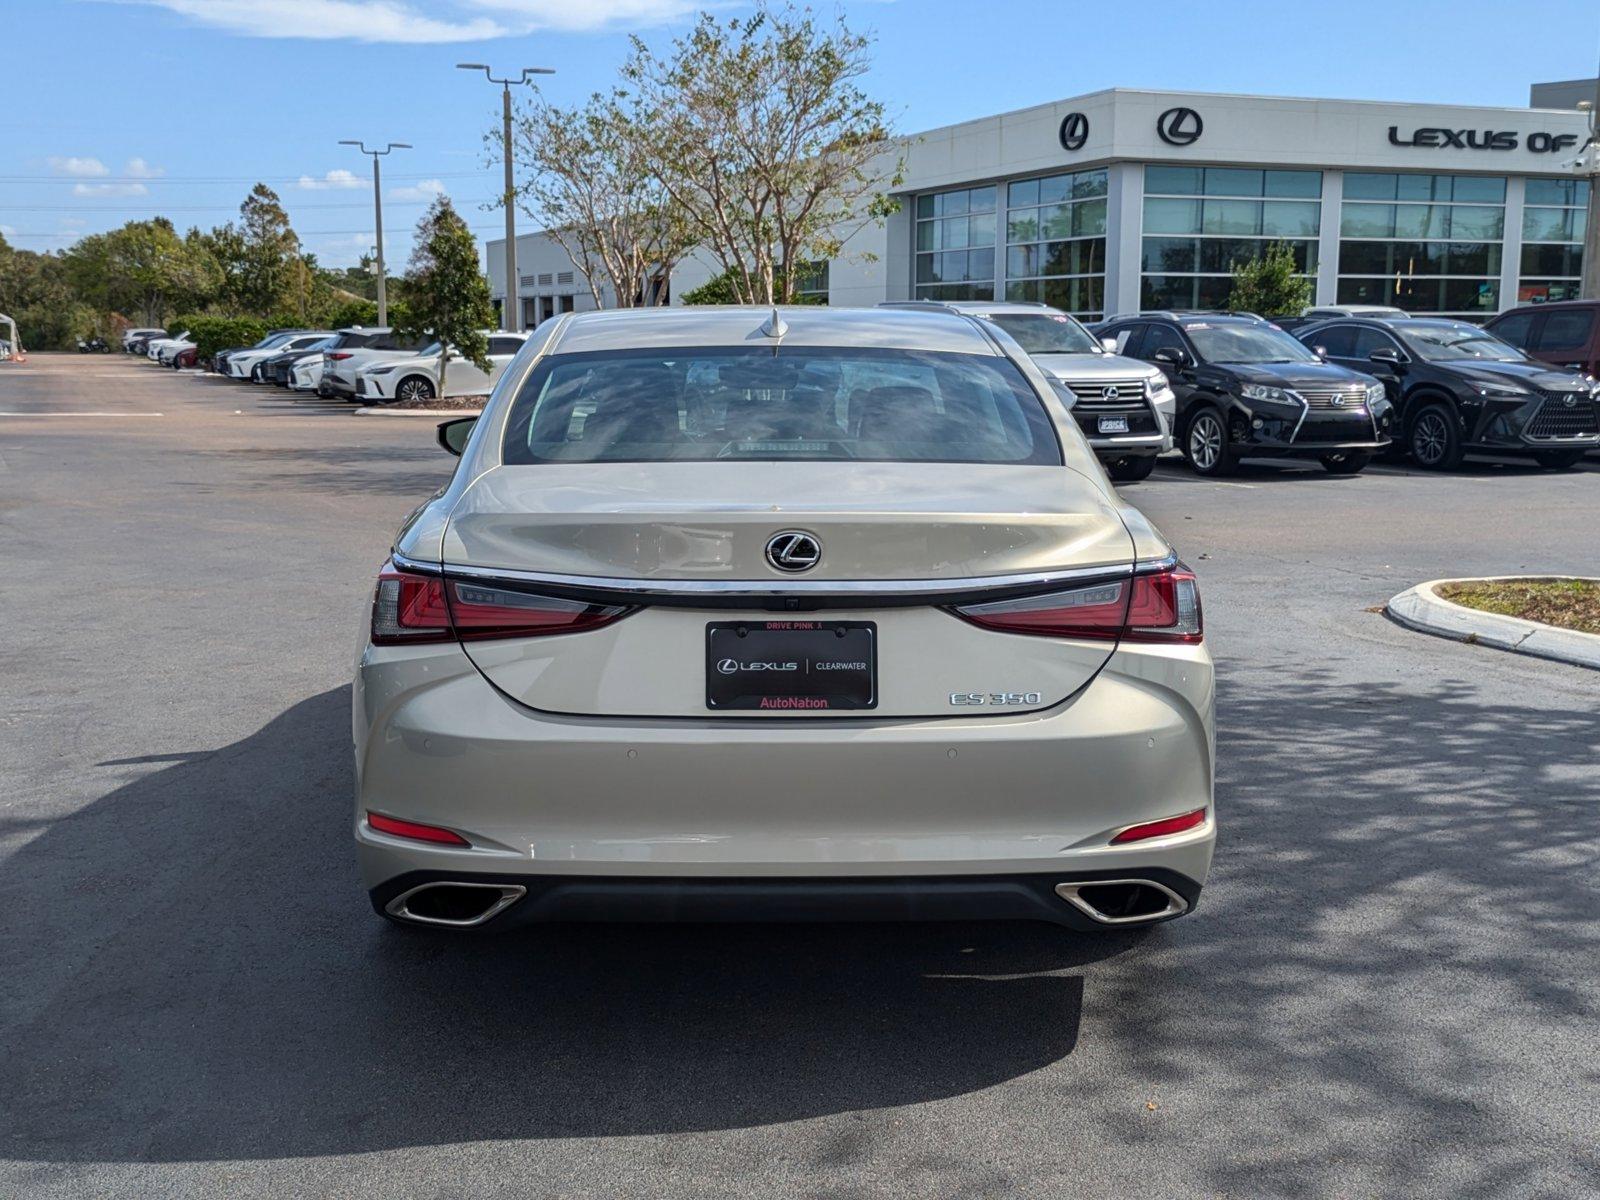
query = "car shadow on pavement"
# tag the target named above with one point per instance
(1394, 957)
(193, 973)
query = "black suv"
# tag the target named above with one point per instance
(1457, 389)
(1245, 388)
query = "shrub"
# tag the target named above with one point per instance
(211, 333)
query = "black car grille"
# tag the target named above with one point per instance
(1555, 419)
(1124, 394)
(1334, 397)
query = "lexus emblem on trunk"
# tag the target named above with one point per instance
(793, 550)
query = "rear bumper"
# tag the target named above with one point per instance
(551, 898)
(549, 799)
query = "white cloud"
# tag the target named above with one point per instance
(137, 168)
(110, 189)
(6, 231)
(339, 178)
(81, 168)
(421, 20)
(567, 17)
(424, 189)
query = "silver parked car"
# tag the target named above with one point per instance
(799, 613)
(1123, 406)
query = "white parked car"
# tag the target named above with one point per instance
(171, 348)
(129, 336)
(242, 364)
(306, 374)
(154, 347)
(417, 377)
(379, 345)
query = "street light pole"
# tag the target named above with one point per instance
(1590, 165)
(377, 216)
(510, 310)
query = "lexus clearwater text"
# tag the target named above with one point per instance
(796, 613)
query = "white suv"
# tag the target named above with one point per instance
(1124, 407)
(339, 366)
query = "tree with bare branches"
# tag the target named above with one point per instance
(759, 132)
(590, 183)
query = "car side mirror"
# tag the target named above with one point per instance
(1172, 356)
(1386, 354)
(1109, 345)
(453, 435)
(1320, 351)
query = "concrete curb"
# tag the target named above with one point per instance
(419, 412)
(1423, 609)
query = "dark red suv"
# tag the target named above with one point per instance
(1565, 333)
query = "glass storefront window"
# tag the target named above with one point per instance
(1553, 225)
(955, 241)
(1425, 243)
(1234, 222)
(1055, 241)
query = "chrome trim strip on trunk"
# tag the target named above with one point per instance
(730, 592)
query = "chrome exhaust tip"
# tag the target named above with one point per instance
(1123, 901)
(455, 904)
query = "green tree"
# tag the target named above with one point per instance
(143, 268)
(36, 293)
(445, 292)
(270, 271)
(1270, 286)
(760, 133)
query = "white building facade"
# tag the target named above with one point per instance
(1125, 200)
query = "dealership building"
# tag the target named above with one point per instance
(1129, 199)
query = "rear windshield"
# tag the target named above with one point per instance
(1047, 333)
(813, 404)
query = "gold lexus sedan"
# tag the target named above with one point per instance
(790, 614)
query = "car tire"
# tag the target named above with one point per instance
(1434, 440)
(413, 388)
(1207, 446)
(1350, 462)
(1559, 460)
(1131, 469)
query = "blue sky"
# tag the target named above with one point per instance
(116, 109)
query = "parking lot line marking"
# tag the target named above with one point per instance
(82, 414)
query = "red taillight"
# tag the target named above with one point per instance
(337, 355)
(414, 831)
(1155, 829)
(1162, 606)
(411, 607)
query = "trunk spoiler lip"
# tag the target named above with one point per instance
(791, 594)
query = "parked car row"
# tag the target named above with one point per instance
(1346, 387)
(366, 365)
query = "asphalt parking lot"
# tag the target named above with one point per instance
(1391, 987)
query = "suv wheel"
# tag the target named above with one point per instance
(1558, 460)
(1131, 470)
(1350, 462)
(413, 388)
(1206, 444)
(1435, 444)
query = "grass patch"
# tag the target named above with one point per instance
(1566, 603)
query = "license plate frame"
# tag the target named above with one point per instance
(805, 665)
(1109, 424)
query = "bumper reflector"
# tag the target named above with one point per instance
(1153, 829)
(411, 829)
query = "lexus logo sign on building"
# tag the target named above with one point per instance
(1074, 131)
(1179, 127)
